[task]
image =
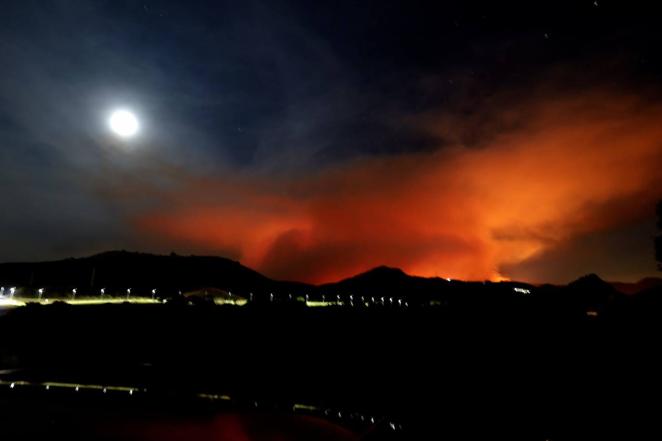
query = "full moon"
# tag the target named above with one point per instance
(123, 123)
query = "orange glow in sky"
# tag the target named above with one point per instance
(576, 165)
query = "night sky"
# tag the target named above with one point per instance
(315, 140)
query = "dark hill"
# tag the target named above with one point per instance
(645, 284)
(118, 270)
(592, 289)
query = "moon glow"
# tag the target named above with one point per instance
(124, 123)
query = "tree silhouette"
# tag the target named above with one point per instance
(658, 238)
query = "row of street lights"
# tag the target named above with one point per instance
(40, 292)
(367, 301)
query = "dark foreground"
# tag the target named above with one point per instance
(433, 373)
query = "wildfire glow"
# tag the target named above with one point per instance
(578, 165)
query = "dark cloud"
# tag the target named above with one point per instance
(624, 252)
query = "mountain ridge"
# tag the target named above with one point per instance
(144, 270)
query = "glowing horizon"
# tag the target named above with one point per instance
(464, 213)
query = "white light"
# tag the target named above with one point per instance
(522, 290)
(124, 123)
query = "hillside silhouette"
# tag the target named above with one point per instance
(173, 274)
(142, 272)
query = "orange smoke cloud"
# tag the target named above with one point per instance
(569, 167)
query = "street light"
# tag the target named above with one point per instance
(128, 292)
(41, 292)
(102, 291)
(73, 292)
(153, 293)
